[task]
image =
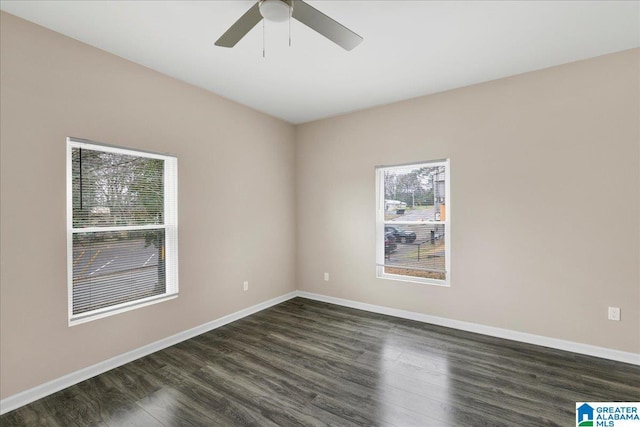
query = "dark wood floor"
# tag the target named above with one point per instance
(307, 363)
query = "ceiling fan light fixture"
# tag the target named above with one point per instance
(275, 10)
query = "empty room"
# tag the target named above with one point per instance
(319, 212)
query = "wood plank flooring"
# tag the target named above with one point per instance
(308, 363)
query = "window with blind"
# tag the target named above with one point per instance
(412, 226)
(122, 229)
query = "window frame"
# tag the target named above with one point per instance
(381, 223)
(170, 226)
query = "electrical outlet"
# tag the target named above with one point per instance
(246, 286)
(614, 313)
(326, 277)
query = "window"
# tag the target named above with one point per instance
(412, 227)
(122, 229)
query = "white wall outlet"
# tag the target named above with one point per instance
(246, 286)
(326, 277)
(614, 313)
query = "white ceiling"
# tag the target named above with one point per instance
(410, 48)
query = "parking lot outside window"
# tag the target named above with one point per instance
(413, 211)
(122, 229)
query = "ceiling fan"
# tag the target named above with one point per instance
(281, 10)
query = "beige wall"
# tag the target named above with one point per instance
(545, 201)
(233, 225)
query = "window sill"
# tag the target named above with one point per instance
(410, 279)
(117, 309)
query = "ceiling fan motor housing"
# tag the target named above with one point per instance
(275, 10)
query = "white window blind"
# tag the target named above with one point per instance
(122, 229)
(412, 222)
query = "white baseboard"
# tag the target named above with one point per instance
(586, 349)
(17, 400)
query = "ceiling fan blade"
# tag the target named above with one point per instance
(318, 21)
(240, 28)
